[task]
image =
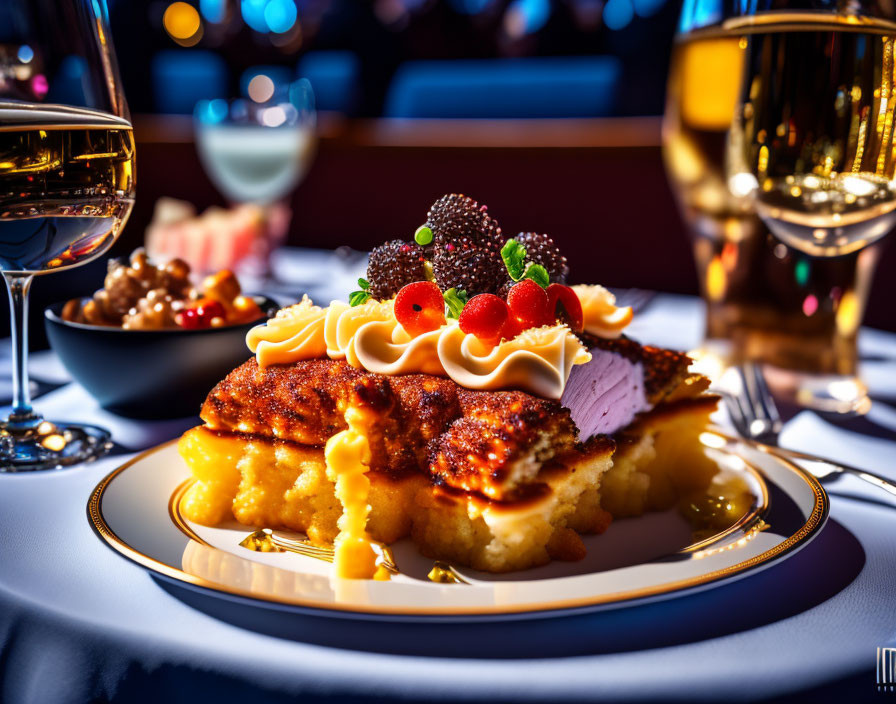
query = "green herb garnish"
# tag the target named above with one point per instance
(357, 298)
(455, 300)
(538, 274)
(514, 255)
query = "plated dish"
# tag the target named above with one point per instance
(137, 511)
(466, 402)
(465, 396)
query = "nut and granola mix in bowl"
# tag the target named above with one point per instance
(150, 343)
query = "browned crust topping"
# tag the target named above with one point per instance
(465, 438)
(488, 443)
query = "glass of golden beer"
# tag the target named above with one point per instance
(778, 140)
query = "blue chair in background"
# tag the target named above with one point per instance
(334, 77)
(181, 78)
(573, 86)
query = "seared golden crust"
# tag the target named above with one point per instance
(305, 402)
(486, 442)
(500, 442)
(423, 421)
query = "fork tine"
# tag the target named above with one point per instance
(735, 396)
(762, 399)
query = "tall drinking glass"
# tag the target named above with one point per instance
(67, 184)
(778, 138)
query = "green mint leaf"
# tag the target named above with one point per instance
(455, 300)
(364, 284)
(514, 255)
(538, 274)
(357, 298)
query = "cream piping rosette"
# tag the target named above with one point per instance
(369, 337)
(385, 348)
(601, 315)
(538, 360)
(344, 322)
(294, 333)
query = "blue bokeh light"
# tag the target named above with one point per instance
(213, 10)
(280, 15)
(618, 14)
(25, 54)
(211, 112)
(253, 14)
(535, 13)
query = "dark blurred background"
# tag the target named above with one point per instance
(569, 143)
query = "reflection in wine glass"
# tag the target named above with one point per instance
(67, 183)
(258, 150)
(778, 141)
(813, 138)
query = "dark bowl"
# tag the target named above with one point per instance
(149, 373)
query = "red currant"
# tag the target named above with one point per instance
(420, 308)
(188, 319)
(208, 310)
(566, 307)
(528, 303)
(485, 316)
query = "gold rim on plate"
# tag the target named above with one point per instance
(812, 524)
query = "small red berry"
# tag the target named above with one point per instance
(188, 319)
(207, 310)
(528, 303)
(485, 316)
(566, 307)
(420, 307)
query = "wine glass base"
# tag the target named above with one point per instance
(839, 394)
(50, 445)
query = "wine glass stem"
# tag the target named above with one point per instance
(18, 286)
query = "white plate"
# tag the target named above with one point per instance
(135, 510)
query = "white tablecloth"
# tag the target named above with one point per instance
(80, 623)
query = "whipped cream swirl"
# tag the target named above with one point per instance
(369, 337)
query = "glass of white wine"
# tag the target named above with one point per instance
(257, 150)
(779, 139)
(67, 183)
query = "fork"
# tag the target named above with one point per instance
(266, 540)
(755, 417)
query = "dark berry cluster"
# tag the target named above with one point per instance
(460, 247)
(394, 265)
(540, 249)
(456, 216)
(466, 247)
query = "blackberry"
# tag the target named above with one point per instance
(462, 264)
(540, 249)
(456, 216)
(394, 265)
